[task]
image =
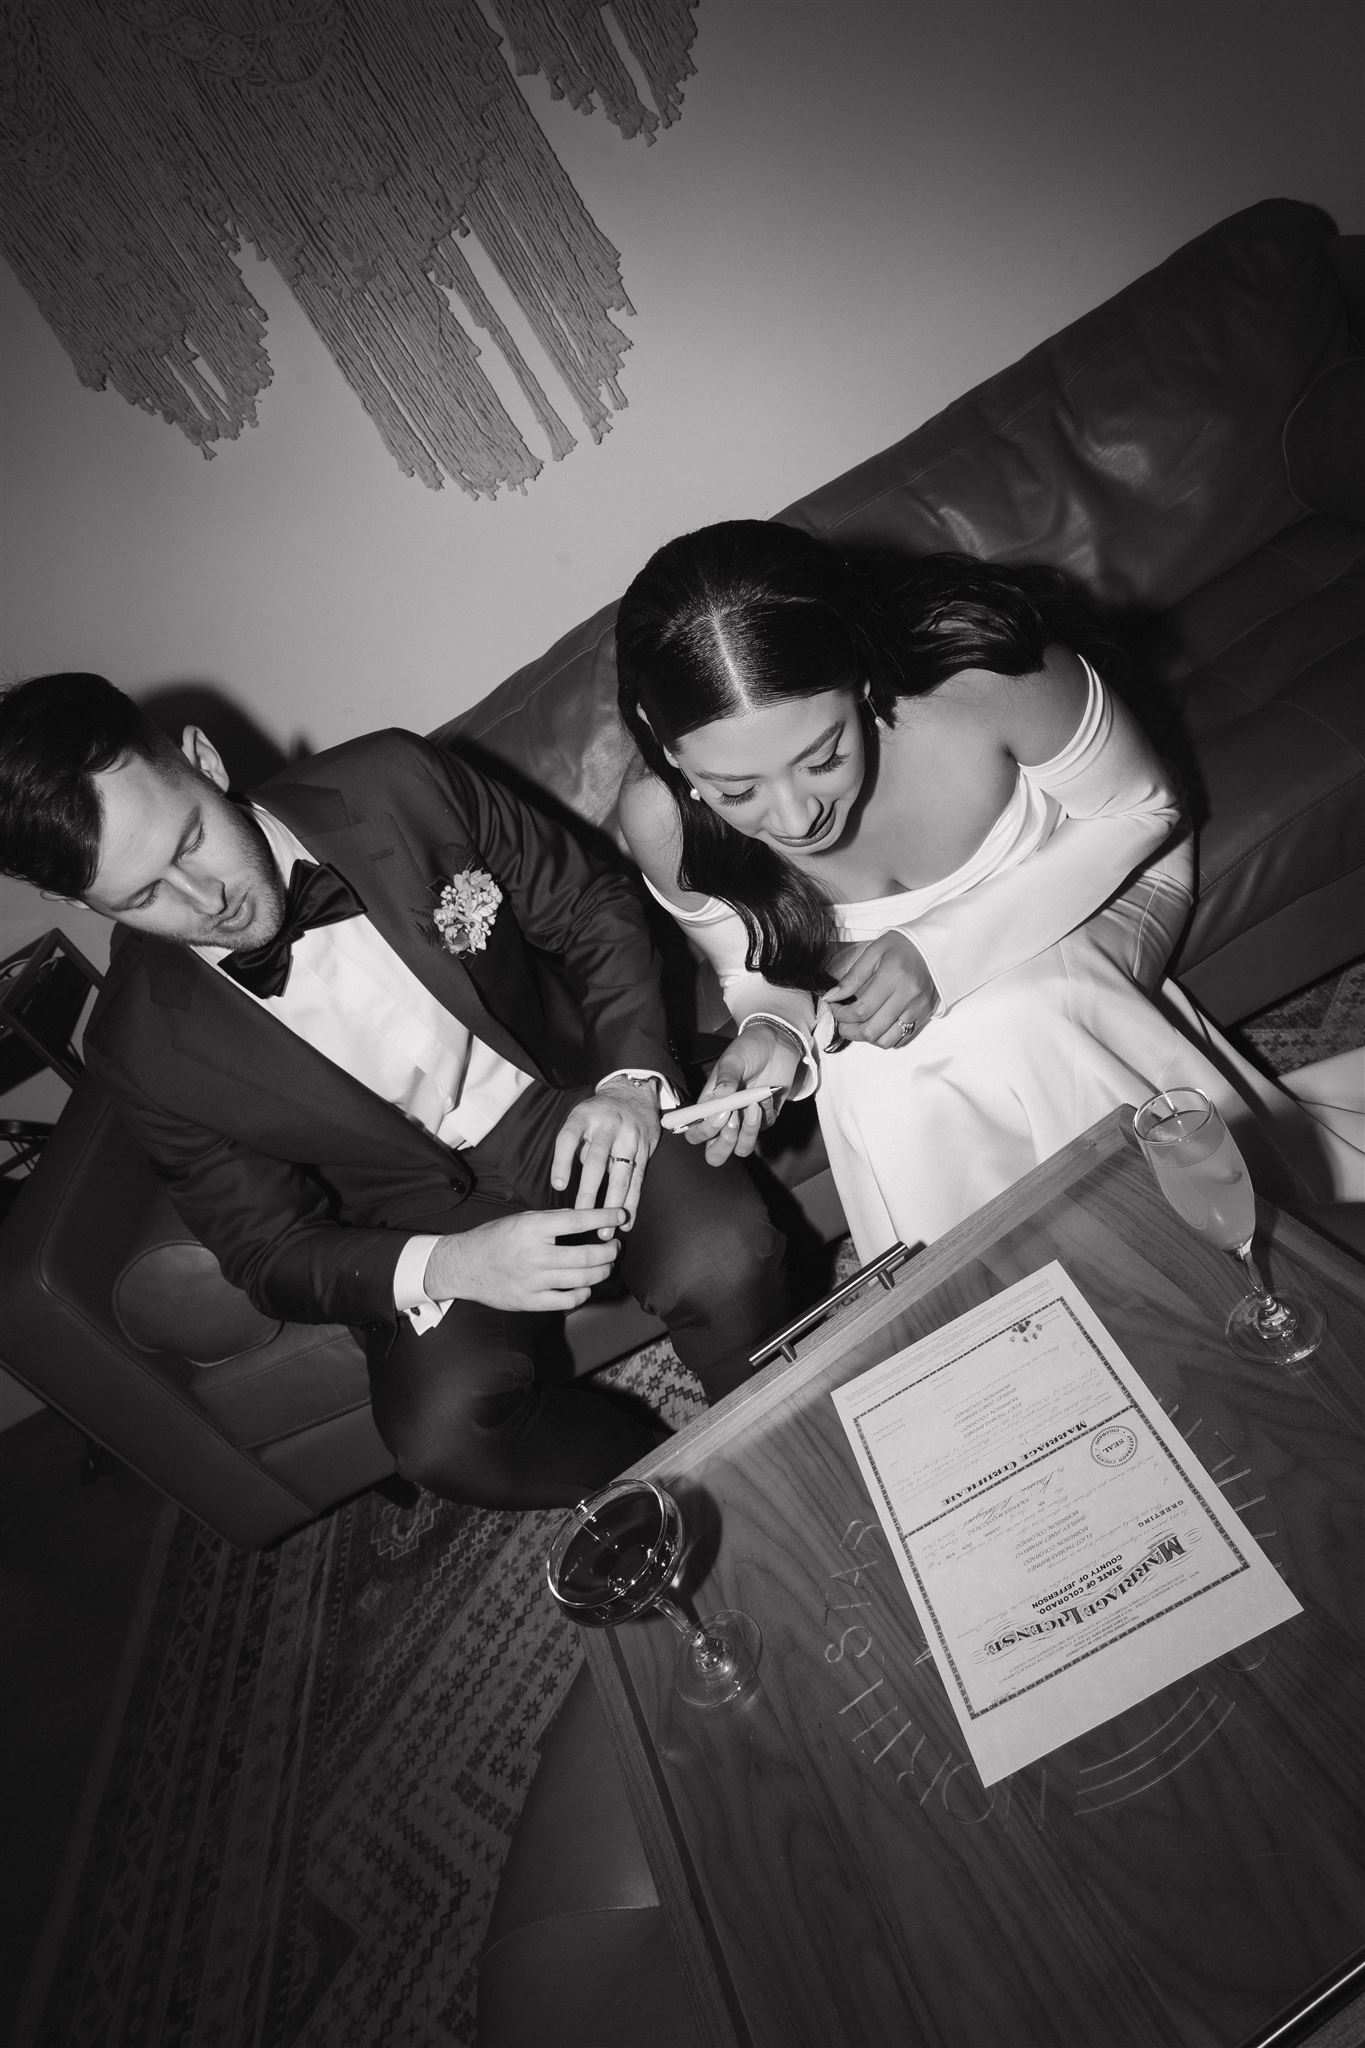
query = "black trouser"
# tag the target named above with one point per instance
(480, 1409)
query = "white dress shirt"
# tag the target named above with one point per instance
(352, 998)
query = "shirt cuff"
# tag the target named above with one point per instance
(410, 1296)
(809, 1057)
(669, 1097)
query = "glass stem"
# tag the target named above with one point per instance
(696, 1635)
(1269, 1310)
(1258, 1286)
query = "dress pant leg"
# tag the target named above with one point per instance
(478, 1409)
(481, 1408)
(704, 1256)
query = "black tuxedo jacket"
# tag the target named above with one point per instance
(303, 1182)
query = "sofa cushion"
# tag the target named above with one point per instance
(1233, 646)
(1323, 439)
(1104, 450)
(553, 726)
(1252, 686)
(171, 1296)
(1264, 714)
(304, 1376)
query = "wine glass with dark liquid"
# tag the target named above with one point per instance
(1204, 1177)
(617, 1556)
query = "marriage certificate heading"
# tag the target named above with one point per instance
(1066, 1553)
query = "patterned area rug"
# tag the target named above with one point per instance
(1327, 1018)
(300, 1817)
(319, 1760)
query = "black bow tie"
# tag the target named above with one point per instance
(316, 896)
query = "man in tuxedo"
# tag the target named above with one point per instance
(378, 1029)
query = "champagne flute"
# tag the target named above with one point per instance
(1204, 1178)
(616, 1556)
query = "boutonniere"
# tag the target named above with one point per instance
(465, 910)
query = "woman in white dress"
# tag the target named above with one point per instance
(936, 864)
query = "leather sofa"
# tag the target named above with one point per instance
(1192, 451)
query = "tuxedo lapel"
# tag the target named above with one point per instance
(246, 1056)
(387, 864)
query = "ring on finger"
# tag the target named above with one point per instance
(620, 1159)
(906, 1031)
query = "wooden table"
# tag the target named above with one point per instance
(1186, 1876)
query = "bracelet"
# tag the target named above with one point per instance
(778, 1024)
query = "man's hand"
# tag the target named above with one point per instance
(612, 1135)
(760, 1057)
(519, 1263)
(885, 993)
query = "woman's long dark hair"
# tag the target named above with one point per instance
(749, 613)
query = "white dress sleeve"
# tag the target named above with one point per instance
(718, 934)
(1117, 804)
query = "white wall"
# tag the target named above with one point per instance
(867, 206)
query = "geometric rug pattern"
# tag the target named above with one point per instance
(1326, 1018)
(319, 1765)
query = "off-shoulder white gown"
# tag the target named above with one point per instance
(1053, 1013)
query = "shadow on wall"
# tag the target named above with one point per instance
(251, 756)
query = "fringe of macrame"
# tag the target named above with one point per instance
(354, 143)
(569, 44)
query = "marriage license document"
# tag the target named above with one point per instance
(1066, 1553)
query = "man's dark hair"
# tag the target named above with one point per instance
(57, 733)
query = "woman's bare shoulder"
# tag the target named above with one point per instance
(649, 821)
(648, 815)
(1031, 716)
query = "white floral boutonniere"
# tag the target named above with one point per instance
(465, 910)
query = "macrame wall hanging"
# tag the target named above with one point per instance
(355, 144)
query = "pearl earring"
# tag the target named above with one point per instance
(695, 794)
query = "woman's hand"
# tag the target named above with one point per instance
(760, 1057)
(885, 993)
